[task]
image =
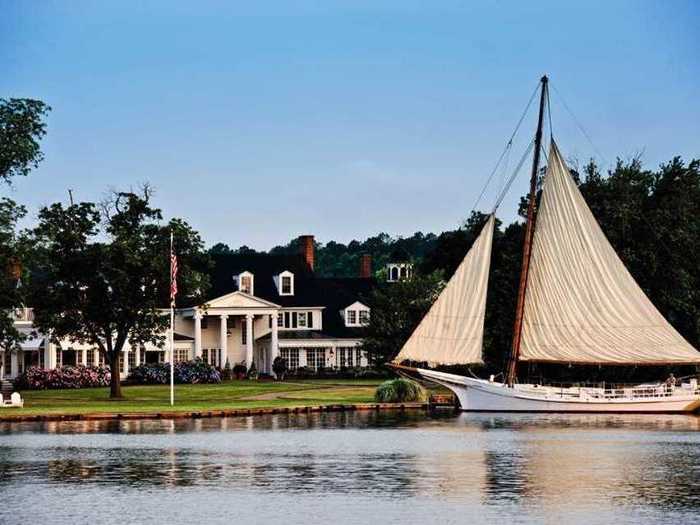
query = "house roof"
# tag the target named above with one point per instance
(332, 293)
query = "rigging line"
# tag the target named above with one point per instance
(508, 145)
(580, 126)
(549, 114)
(514, 175)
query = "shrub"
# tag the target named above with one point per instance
(227, 373)
(35, 378)
(240, 371)
(252, 372)
(400, 391)
(279, 367)
(186, 372)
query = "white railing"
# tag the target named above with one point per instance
(22, 315)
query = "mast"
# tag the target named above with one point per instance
(527, 245)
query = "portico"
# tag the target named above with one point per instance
(227, 329)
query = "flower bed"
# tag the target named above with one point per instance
(35, 378)
(188, 372)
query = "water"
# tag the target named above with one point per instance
(354, 468)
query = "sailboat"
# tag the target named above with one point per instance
(577, 305)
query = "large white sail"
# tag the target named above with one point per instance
(581, 303)
(452, 331)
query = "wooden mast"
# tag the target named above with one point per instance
(527, 245)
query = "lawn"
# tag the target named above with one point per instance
(227, 395)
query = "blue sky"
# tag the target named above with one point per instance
(343, 120)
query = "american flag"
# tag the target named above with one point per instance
(173, 277)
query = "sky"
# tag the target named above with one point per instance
(258, 122)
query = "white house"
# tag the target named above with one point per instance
(260, 306)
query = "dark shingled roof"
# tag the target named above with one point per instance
(332, 293)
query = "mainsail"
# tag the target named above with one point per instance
(581, 303)
(452, 331)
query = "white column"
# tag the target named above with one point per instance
(223, 339)
(47, 354)
(137, 357)
(2, 365)
(197, 335)
(125, 361)
(96, 357)
(274, 344)
(83, 357)
(13, 363)
(248, 340)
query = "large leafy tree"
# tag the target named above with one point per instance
(103, 276)
(21, 128)
(12, 249)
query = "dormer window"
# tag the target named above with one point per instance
(285, 283)
(357, 314)
(246, 283)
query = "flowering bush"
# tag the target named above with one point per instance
(35, 378)
(190, 372)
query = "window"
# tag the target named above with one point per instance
(351, 317)
(291, 355)
(358, 357)
(280, 320)
(211, 356)
(394, 273)
(245, 283)
(8, 362)
(301, 319)
(182, 355)
(404, 272)
(132, 359)
(287, 319)
(294, 319)
(90, 357)
(316, 358)
(364, 317)
(286, 285)
(340, 361)
(310, 319)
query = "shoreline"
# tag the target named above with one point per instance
(200, 414)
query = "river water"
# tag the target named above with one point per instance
(357, 467)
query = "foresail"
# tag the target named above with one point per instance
(581, 303)
(452, 331)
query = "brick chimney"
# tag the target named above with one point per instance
(14, 269)
(306, 244)
(365, 266)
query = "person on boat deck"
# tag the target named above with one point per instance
(670, 382)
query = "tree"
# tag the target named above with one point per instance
(397, 308)
(12, 249)
(21, 128)
(104, 276)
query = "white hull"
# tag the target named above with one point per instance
(487, 396)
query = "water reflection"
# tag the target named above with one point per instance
(590, 465)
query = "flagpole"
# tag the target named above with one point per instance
(172, 327)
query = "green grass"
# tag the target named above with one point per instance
(227, 395)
